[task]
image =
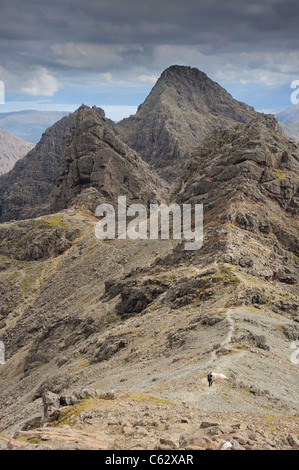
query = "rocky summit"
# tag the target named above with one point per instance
(106, 344)
(182, 108)
(96, 160)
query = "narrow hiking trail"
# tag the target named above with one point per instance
(226, 342)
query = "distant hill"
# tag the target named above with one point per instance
(11, 150)
(29, 125)
(289, 119)
(289, 115)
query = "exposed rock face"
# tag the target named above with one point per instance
(247, 180)
(26, 190)
(182, 108)
(95, 158)
(11, 150)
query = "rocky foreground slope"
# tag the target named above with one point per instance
(11, 150)
(142, 322)
(183, 107)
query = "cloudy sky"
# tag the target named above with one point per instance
(58, 54)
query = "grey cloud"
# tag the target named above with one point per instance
(144, 36)
(154, 21)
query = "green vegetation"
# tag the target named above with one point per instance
(84, 363)
(69, 415)
(226, 273)
(53, 220)
(31, 440)
(279, 173)
(267, 407)
(31, 279)
(269, 418)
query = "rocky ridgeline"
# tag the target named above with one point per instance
(247, 180)
(183, 107)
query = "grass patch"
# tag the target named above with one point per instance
(137, 253)
(69, 415)
(269, 418)
(27, 283)
(13, 275)
(226, 273)
(267, 407)
(280, 175)
(53, 220)
(84, 363)
(31, 279)
(33, 440)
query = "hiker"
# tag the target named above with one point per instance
(210, 379)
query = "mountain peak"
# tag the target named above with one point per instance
(183, 71)
(181, 109)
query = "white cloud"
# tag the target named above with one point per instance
(148, 78)
(39, 82)
(267, 68)
(264, 67)
(116, 113)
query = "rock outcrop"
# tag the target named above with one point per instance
(182, 108)
(96, 159)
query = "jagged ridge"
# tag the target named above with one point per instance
(96, 158)
(247, 179)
